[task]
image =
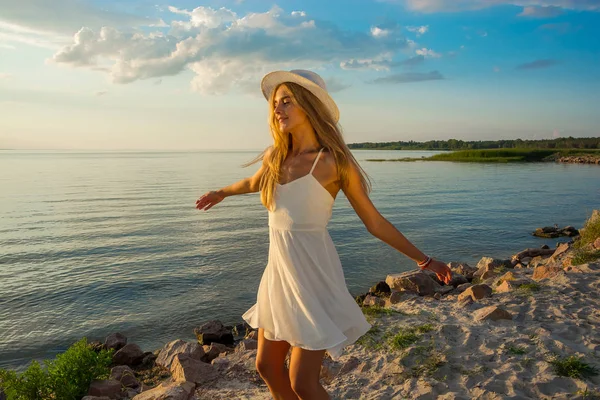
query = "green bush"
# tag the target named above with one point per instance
(67, 377)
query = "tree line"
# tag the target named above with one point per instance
(455, 144)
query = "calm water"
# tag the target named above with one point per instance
(92, 243)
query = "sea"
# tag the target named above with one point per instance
(96, 242)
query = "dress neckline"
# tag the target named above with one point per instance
(307, 176)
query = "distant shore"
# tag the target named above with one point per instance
(510, 155)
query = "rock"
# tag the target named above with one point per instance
(125, 375)
(220, 363)
(115, 341)
(465, 301)
(241, 329)
(252, 335)
(437, 296)
(170, 350)
(380, 288)
(213, 350)
(493, 313)
(360, 298)
(562, 248)
(186, 369)
(444, 290)
(463, 287)
(400, 296)
(547, 272)
(545, 247)
(555, 231)
(373, 301)
(108, 388)
(213, 331)
(169, 391)
(247, 344)
(130, 354)
(536, 261)
(509, 276)
(597, 243)
(129, 393)
(462, 268)
(506, 286)
(83, 398)
(476, 292)
(487, 267)
(149, 359)
(458, 279)
(415, 281)
(519, 266)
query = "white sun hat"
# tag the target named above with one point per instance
(307, 79)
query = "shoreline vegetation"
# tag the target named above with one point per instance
(524, 327)
(578, 156)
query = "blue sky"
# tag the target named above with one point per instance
(185, 75)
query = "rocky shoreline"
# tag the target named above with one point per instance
(525, 328)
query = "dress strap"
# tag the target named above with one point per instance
(316, 160)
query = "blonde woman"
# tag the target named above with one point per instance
(303, 303)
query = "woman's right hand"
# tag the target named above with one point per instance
(209, 199)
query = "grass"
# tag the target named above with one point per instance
(528, 289)
(515, 350)
(589, 233)
(572, 367)
(583, 257)
(500, 155)
(588, 394)
(377, 339)
(378, 311)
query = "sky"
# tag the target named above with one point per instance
(185, 75)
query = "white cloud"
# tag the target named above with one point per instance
(378, 32)
(419, 30)
(427, 53)
(428, 6)
(298, 14)
(225, 50)
(541, 12)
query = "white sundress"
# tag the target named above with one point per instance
(302, 297)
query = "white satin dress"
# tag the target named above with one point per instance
(302, 297)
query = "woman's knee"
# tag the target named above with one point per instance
(268, 369)
(304, 385)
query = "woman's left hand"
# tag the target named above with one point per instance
(441, 269)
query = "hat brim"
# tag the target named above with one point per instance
(275, 78)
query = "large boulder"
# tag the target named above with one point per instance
(380, 288)
(115, 341)
(247, 344)
(169, 391)
(130, 354)
(186, 369)
(213, 331)
(414, 281)
(125, 375)
(213, 350)
(457, 279)
(170, 350)
(107, 388)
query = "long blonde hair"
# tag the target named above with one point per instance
(329, 136)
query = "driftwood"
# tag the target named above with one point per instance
(530, 253)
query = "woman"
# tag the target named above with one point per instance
(303, 302)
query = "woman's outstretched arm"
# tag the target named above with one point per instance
(246, 185)
(382, 229)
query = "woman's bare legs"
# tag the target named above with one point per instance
(305, 370)
(270, 364)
